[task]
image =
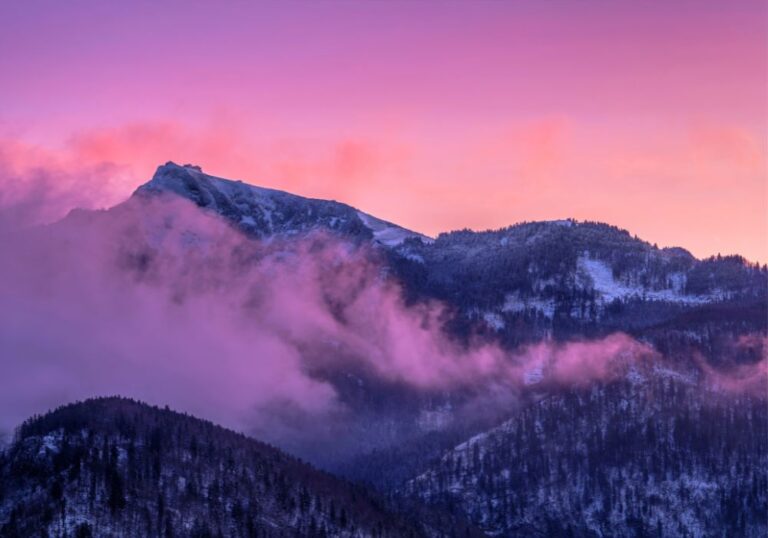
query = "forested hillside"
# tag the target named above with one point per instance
(113, 467)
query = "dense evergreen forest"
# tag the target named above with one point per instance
(113, 467)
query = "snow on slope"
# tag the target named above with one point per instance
(609, 288)
(269, 211)
(386, 233)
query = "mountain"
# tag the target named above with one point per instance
(113, 467)
(566, 279)
(263, 213)
(664, 435)
(532, 282)
(519, 284)
(650, 455)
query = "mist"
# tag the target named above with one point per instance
(157, 300)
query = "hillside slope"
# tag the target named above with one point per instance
(113, 467)
(655, 454)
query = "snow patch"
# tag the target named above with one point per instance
(386, 233)
(672, 374)
(533, 376)
(50, 443)
(513, 303)
(435, 419)
(610, 289)
(494, 321)
(635, 377)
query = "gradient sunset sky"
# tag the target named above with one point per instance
(436, 115)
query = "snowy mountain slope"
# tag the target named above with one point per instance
(266, 212)
(538, 261)
(608, 288)
(562, 463)
(389, 234)
(655, 455)
(524, 282)
(530, 282)
(568, 279)
(113, 467)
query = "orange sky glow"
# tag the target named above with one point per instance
(437, 116)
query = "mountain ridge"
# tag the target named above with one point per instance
(604, 259)
(184, 180)
(510, 288)
(263, 211)
(516, 285)
(534, 290)
(638, 453)
(113, 466)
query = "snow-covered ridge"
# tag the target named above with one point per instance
(387, 233)
(265, 211)
(171, 177)
(541, 269)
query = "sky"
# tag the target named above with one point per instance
(436, 115)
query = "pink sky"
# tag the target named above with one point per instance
(648, 115)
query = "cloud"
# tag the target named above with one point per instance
(158, 300)
(39, 185)
(747, 374)
(99, 167)
(705, 181)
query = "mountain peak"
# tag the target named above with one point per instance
(187, 180)
(171, 166)
(263, 212)
(172, 171)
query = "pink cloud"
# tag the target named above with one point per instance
(39, 185)
(158, 300)
(546, 168)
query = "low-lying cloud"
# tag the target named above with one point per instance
(157, 300)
